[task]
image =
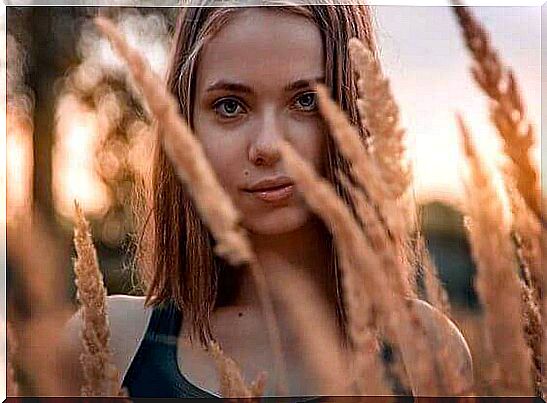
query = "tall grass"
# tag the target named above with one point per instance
(372, 244)
(526, 237)
(100, 374)
(497, 281)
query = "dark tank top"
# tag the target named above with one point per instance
(154, 371)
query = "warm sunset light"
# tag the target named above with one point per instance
(429, 72)
(438, 162)
(18, 164)
(73, 156)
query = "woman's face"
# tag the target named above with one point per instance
(254, 88)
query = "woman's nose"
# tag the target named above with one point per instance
(264, 150)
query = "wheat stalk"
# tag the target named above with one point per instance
(517, 133)
(182, 147)
(11, 380)
(529, 234)
(385, 228)
(100, 374)
(349, 239)
(524, 220)
(380, 115)
(368, 274)
(496, 282)
(214, 205)
(317, 337)
(367, 175)
(507, 108)
(232, 384)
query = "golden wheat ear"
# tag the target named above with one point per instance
(496, 282)
(186, 154)
(232, 384)
(11, 381)
(100, 373)
(371, 279)
(361, 268)
(518, 134)
(507, 111)
(380, 116)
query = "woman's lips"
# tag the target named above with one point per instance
(274, 195)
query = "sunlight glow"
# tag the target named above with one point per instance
(74, 177)
(18, 178)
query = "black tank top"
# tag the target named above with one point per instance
(154, 371)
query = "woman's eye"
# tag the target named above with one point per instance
(307, 101)
(228, 107)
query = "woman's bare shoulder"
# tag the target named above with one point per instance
(444, 334)
(123, 311)
(128, 319)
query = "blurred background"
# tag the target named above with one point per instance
(75, 128)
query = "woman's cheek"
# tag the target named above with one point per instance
(310, 142)
(227, 158)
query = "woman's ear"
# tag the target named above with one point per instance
(446, 339)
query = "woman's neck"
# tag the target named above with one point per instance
(306, 250)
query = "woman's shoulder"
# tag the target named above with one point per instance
(127, 317)
(444, 335)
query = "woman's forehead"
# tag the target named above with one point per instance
(258, 44)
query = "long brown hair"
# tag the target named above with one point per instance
(181, 265)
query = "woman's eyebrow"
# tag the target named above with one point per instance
(238, 87)
(302, 83)
(228, 86)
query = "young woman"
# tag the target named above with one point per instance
(245, 79)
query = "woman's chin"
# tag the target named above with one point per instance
(277, 222)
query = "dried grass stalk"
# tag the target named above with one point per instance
(362, 324)
(386, 231)
(528, 235)
(533, 333)
(317, 337)
(232, 384)
(380, 115)
(507, 108)
(363, 329)
(496, 282)
(183, 148)
(100, 374)
(518, 134)
(353, 251)
(213, 204)
(524, 220)
(368, 176)
(369, 275)
(12, 386)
